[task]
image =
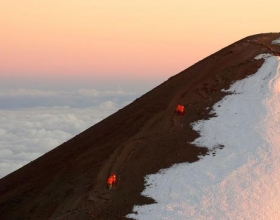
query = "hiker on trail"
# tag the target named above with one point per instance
(111, 180)
(180, 109)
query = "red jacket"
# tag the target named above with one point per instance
(112, 179)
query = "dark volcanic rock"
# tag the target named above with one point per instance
(69, 182)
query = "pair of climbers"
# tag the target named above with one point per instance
(180, 109)
(111, 180)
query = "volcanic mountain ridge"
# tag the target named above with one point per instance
(144, 137)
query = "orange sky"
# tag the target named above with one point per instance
(134, 39)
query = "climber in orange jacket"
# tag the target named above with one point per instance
(111, 180)
(180, 109)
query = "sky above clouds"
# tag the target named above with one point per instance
(120, 40)
(65, 65)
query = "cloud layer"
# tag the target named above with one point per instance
(32, 122)
(81, 98)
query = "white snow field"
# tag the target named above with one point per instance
(242, 180)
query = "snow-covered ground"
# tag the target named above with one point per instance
(276, 41)
(242, 180)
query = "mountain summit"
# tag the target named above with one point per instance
(145, 137)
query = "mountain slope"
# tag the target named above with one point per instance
(69, 182)
(239, 179)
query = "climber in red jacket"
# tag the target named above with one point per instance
(180, 109)
(111, 180)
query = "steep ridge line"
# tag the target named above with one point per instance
(269, 47)
(138, 140)
(171, 110)
(249, 62)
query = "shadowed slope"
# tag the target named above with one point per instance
(69, 182)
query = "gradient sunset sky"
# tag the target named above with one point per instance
(94, 41)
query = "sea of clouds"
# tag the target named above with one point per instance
(32, 122)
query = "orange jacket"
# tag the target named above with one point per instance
(178, 108)
(112, 179)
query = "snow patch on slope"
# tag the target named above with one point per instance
(276, 41)
(242, 180)
(262, 56)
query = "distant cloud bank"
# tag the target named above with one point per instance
(32, 122)
(81, 98)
